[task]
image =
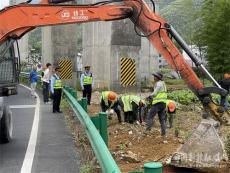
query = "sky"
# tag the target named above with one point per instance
(4, 3)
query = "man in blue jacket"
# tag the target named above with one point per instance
(33, 80)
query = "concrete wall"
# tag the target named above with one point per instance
(96, 51)
(104, 44)
(47, 45)
(148, 60)
(59, 42)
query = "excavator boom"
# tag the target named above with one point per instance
(32, 16)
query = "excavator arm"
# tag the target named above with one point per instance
(32, 14)
(156, 29)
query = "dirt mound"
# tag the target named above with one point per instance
(131, 147)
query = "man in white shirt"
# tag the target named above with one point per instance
(46, 82)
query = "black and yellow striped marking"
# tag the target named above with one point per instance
(128, 71)
(66, 68)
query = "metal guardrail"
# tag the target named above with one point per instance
(106, 161)
(24, 74)
(24, 78)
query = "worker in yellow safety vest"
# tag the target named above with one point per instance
(87, 83)
(109, 100)
(131, 105)
(159, 96)
(56, 90)
(40, 72)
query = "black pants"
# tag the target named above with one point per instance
(57, 100)
(45, 88)
(158, 108)
(128, 117)
(114, 107)
(131, 116)
(87, 92)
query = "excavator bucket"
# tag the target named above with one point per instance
(203, 150)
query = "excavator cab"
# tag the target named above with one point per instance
(9, 77)
(9, 69)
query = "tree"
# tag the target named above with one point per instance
(35, 42)
(180, 14)
(214, 34)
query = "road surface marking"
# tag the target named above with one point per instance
(22, 106)
(30, 151)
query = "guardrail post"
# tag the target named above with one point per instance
(80, 102)
(153, 167)
(84, 103)
(74, 94)
(67, 88)
(100, 149)
(96, 122)
(71, 91)
(103, 127)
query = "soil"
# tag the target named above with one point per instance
(125, 138)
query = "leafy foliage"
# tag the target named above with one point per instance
(35, 42)
(183, 96)
(214, 33)
(180, 14)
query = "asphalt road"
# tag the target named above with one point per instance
(41, 141)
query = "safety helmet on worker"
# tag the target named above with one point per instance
(171, 106)
(112, 96)
(158, 75)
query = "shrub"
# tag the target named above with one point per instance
(183, 96)
(86, 168)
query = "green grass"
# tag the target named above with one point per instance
(86, 168)
(174, 82)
